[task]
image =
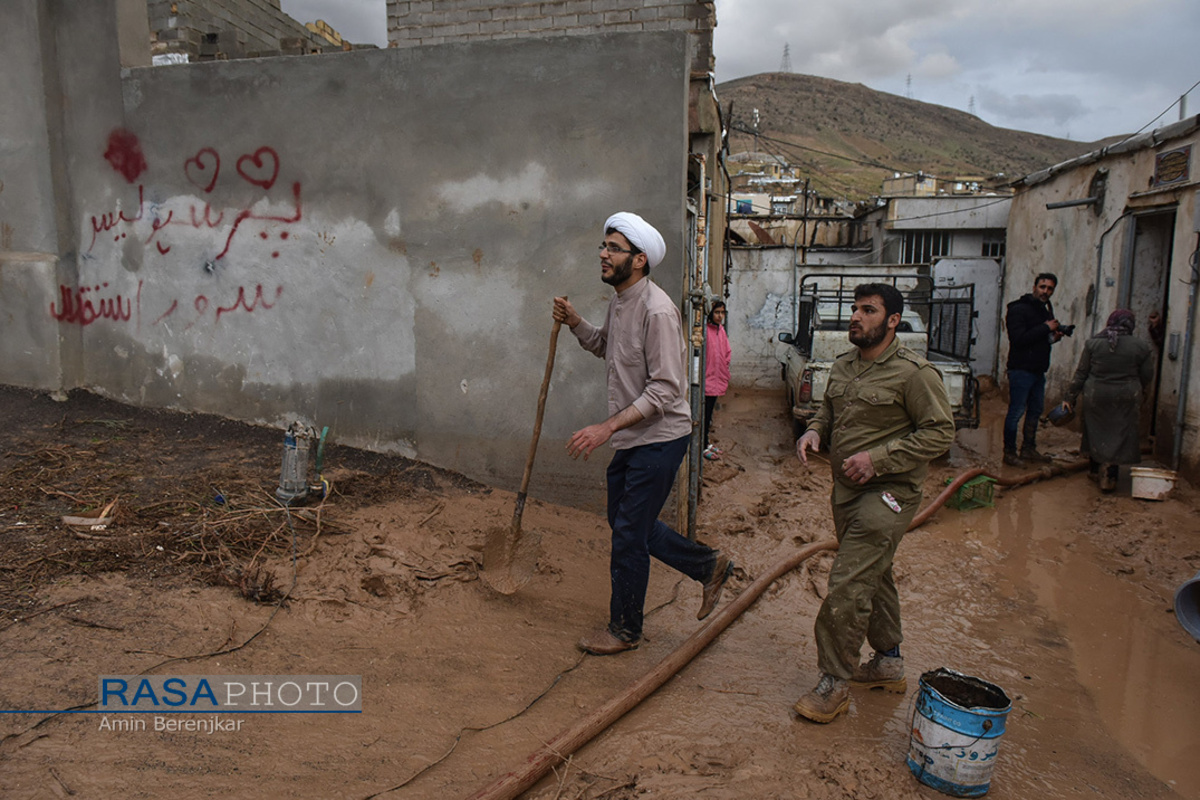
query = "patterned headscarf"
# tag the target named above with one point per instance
(1120, 323)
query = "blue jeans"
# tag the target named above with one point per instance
(639, 482)
(1026, 396)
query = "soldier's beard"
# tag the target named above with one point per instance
(865, 338)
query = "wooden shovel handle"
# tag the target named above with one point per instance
(537, 425)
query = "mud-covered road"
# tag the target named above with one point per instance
(1060, 596)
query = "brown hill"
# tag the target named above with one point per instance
(849, 137)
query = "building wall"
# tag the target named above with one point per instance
(418, 22)
(368, 240)
(1088, 248)
(761, 306)
(223, 29)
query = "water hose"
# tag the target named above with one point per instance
(1049, 471)
(568, 741)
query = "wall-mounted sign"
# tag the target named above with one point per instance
(1172, 166)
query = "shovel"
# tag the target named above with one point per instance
(510, 555)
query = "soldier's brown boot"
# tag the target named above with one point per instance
(829, 698)
(881, 672)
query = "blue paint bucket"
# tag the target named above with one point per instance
(956, 730)
(1187, 606)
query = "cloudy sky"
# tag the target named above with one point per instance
(1078, 69)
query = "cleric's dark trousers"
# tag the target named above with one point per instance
(1026, 396)
(639, 482)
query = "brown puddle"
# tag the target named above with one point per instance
(1128, 653)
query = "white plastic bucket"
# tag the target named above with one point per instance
(956, 730)
(1149, 483)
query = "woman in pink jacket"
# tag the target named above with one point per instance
(716, 370)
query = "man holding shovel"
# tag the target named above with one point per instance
(649, 423)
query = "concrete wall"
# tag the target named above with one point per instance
(761, 306)
(366, 240)
(957, 213)
(1092, 248)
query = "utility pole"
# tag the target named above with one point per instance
(786, 64)
(971, 106)
(908, 86)
(755, 117)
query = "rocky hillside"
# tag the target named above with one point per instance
(841, 134)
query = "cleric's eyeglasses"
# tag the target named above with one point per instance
(612, 248)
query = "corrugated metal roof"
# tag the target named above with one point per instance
(1132, 144)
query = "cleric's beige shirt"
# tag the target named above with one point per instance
(642, 345)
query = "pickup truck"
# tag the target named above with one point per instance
(937, 324)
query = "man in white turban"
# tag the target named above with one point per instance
(650, 426)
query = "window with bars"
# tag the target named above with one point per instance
(922, 247)
(993, 247)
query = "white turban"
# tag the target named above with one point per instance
(641, 234)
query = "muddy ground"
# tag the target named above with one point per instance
(1059, 595)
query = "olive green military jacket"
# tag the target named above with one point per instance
(896, 408)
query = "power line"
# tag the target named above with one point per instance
(1160, 116)
(813, 149)
(842, 188)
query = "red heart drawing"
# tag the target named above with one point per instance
(263, 174)
(197, 170)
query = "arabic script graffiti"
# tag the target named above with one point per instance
(83, 305)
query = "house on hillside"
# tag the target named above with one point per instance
(772, 203)
(1120, 226)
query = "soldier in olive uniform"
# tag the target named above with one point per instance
(885, 416)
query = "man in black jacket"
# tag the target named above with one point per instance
(1032, 328)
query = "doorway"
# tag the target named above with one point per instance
(1144, 290)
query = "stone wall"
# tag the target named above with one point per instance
(419, 22)
(208, 30)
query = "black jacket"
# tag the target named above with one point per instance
(1028, 335)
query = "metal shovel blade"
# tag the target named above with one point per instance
(510, 558)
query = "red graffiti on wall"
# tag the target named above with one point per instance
(109, 221)
(246, 214)
(260, 169)
(240, 302)
(83, 306)
(198, 168)
(125, 154)
(201, 304)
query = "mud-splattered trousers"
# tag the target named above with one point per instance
(862, 599)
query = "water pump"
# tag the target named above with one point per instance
(293, 474)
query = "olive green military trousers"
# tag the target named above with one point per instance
(862, 602)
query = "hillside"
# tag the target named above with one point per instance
(848, 119)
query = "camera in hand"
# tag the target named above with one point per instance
(1066, 330)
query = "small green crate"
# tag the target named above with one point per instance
(975, 493)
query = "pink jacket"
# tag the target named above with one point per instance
(716, 367)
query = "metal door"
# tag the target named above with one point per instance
(986, 274)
